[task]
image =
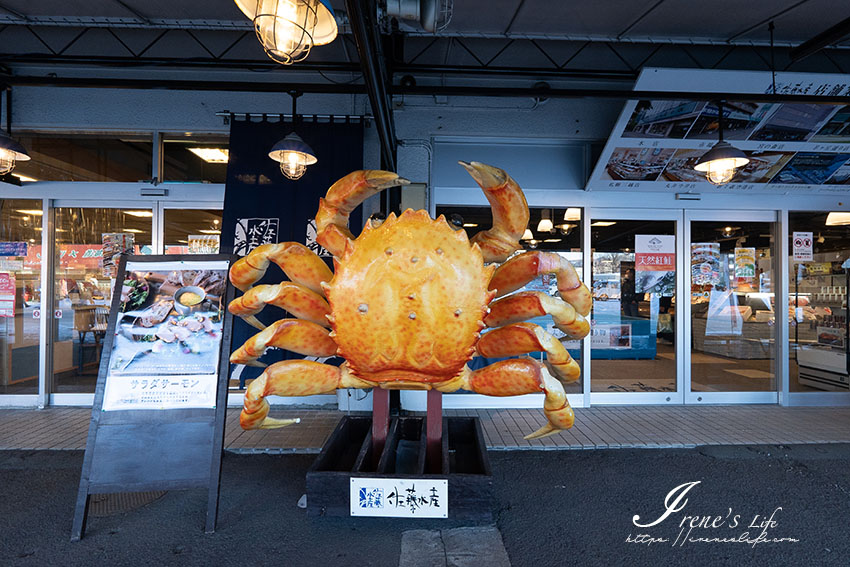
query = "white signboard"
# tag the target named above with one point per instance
(159, 392)
(399, 498)
(802, 242)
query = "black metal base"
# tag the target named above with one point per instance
(348, 453)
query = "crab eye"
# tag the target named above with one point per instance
(456, 221)
(377, 219)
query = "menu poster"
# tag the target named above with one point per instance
(114, 245)
(168, 331)
(745, 265)
(7, 294)
(705, 263)
(655, 264)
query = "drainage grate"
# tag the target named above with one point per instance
(102, 505)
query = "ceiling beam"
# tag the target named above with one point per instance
(824, 39)
(472, 90)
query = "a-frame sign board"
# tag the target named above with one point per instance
(159, 406)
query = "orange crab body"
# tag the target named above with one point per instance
(408, 299)
(406, 304)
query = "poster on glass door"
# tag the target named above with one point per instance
(114, 245)
(167, 342)
(655, 264)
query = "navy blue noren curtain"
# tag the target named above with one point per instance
(261, 205)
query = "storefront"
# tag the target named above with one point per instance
(686, 282)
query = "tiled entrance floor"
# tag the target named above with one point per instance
(595, 428)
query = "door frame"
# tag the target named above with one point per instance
(640, 398)
(778, 283)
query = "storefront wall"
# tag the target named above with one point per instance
(553, 144)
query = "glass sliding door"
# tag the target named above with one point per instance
(733, 337)
(634, 336)
(83, 284)
(817, 290)
(20, 294)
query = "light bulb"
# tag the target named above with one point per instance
(721, 171)
(293, 165)
(527, 235)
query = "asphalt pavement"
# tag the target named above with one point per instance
(759, 505)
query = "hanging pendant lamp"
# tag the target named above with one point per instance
(288, 29)
(721, 162)
(11, 152)
(292, 152)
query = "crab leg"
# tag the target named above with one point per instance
(520, 376)
(523, 338)
(291, 378)
(298, 300)
(527, 304)
(298, 262)
(510, 211)
(342, 198)
(521, 269)
(293, 335)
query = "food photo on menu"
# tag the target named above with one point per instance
(169, 323)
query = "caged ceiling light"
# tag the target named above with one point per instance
(720, 163)
(292, 152)
(288, 29)
(11, 152)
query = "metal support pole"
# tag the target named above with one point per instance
(434, 432)
(380, 422)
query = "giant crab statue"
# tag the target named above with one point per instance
(406, 304)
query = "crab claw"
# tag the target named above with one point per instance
(517, 376)
(342, 198)
(510, 211)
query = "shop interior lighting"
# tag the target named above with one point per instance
(545, 224)
(288, 29)
(11, 152)
(837, 218)
(292, 152)
(210, 231)
(34, 212)
(134, 230)
(603, 223)
(470, 224)
(572, 214)
(720, 163)
(552, 240)
(211, 155)
(527, 235)
(140, 214)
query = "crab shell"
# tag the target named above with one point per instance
(408, 300)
